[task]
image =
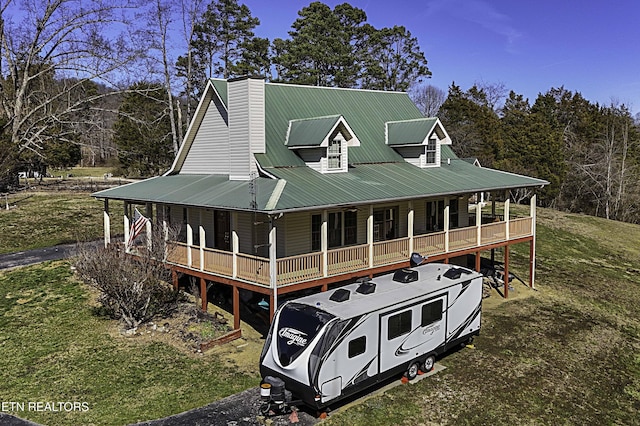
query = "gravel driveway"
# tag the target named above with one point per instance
(241, 409)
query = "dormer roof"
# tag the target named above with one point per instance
(315, 132)
(415, 132)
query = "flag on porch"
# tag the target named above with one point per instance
(139, 223)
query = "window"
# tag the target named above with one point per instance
(334, 155)
(350, 227)
(385, 224)
(453, 213)
(335, 230)
(357, 346)
(399, 324)
(316, 232)
(435, 216)
(342, 229)
(431, 312)
(430, 151)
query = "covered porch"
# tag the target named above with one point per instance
(221, 249)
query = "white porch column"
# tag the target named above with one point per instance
(189, 240)
(126, 225)
(533, 214)
(370, 235)
(446, 226)
(203, 241)
(149, 215)
(506, 217)
(410, 216)
(324, 243)
(273, 270)
(107, 223)
(165, 229)
(479, 223)
(235, 242)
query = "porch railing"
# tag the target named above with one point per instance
(343, 260)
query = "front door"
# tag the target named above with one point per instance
(222, 224)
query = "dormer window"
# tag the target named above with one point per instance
(417, 141)
(334, 155)
(430, 150)
(322, 142)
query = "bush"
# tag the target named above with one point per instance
(133, 288)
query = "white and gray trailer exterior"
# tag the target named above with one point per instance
(330, 345)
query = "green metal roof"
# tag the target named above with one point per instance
(196, 190)
(310, 131)
(365, 111)
(377, 173)
(409, 132)
(301, 188)
(376, 183)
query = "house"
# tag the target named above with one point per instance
(281, 188)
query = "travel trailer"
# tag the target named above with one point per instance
(328, 346)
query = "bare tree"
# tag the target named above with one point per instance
(160, 18)
(191, 12)
(428, 98)
(51, 52)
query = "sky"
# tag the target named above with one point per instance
(529, 46)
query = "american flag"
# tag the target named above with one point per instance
(139, 223)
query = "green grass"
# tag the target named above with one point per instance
(56, 349)
(44, 219)
(567, 354)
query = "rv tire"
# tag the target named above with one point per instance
(412, 371)
(429, 363)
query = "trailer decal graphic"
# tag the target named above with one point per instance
(296, 337)
(458, 331)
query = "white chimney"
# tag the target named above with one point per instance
(245, 97)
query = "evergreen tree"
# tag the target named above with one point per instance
(222, 37)
(393, 59)
(473, 125)
(323, 48)
(143, 132)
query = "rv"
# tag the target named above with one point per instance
(328, 346)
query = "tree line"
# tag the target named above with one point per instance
(589, 153)
(104, 83)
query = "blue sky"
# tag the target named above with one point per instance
(530, 46)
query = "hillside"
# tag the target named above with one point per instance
(566, 353)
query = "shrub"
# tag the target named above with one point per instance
(133, 288)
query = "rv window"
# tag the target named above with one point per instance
(298, 324)
(357, 346)
(399, 324)
(431, 312)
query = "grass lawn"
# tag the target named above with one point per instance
(55, 348)
(44, 219)
(568, 353)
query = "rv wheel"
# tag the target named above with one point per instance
(428, 363)
(412, 371)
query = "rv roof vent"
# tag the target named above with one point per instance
(340, 295)
(455, 273)
(405, 275)
(366, 288)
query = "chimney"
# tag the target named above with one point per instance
(245, 99)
